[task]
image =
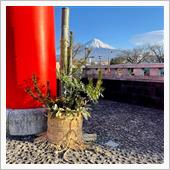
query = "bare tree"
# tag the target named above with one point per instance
(147, 54)
(157, 53)
(77, 48)
(135, 55)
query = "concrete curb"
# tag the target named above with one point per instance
(20, 122)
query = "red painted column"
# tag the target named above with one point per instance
(30, 50)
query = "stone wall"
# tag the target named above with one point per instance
(149, 94)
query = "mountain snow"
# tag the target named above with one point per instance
(99, 50)
(96, 43)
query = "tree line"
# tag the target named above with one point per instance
(144, 54)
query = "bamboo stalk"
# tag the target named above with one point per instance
(70, 54)
(64, 39)
(64, 43)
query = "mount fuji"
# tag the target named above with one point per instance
(99, 49)
(96, 43)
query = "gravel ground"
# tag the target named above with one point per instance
(138, 132)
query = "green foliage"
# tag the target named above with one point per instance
(118, 60)
(94, 92)
(76, 95)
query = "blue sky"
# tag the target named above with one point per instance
(120, 27)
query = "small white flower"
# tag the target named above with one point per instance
(55, 107)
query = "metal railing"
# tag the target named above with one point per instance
(131, 72)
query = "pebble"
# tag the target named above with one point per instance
(88, 156)
(111, 121)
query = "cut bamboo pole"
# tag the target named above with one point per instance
(64, 44)
(70, 54)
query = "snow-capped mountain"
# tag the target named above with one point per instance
(99, 51)
(96, 43)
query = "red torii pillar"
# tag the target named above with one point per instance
(30, 49)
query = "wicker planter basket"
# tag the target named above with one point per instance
(65, 131)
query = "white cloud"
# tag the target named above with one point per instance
(152, 38)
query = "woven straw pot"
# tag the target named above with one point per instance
(64, 129)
